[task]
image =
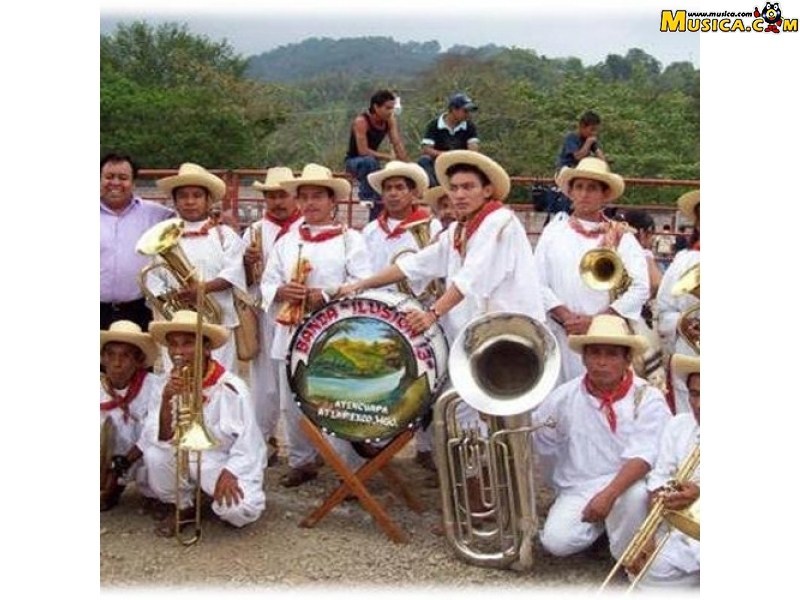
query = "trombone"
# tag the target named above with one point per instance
(686, 521)
(190, 432)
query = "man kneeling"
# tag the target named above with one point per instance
(232, 472)
(608, 426)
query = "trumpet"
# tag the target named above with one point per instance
(421, 233)
(291, 313)
(687, 521)
(162, 240)
(190, 432)
(254, 271)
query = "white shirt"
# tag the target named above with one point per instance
(587, 453)
(334, 262)
(669, 307)
(383, 249)
(127, 433)
(497, 274)
(228, 416)
(679, 438)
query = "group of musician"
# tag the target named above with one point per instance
(619, 435)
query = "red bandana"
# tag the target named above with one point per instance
(215, 371)
(284, 225)
(123, 402)
(203, 231)
(464, 231)
(607, 399)
(326, 234)
(417, 215)
(696, 245)
(578, 228)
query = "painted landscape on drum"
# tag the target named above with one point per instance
(362, 380)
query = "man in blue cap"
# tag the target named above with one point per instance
(452, 130)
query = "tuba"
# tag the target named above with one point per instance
(503, 365)
(686, 521)
(190, 434)
(421, 233)
(162, 240)
(688, 326)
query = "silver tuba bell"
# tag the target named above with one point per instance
(503, 365)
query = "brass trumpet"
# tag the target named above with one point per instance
(161, 240)
(253, 272)
(190, 432)
(687, 521)
(503, 365)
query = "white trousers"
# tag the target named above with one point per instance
(677, 565)
(565, 533)
(301, 450)
(160, 461)
(264, 387)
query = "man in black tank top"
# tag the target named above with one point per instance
(366, 134)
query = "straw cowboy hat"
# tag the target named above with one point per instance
(684, 365)
(192, 174)
(497, 175)
(129, 332)
(593, 168)
(314, 174)
(432, 195)
(687, 203)
(186, 321)
(608, 329)
(275, 176)
(398, 168)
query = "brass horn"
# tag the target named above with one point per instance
(161, 240)
(602, 269)
(687, 521)
(688, 326)
(503, 365)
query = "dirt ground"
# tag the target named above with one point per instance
(345, 551)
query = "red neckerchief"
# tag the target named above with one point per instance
(416, 215)
(696, 245)
(123, 402)
(284, 225)
(203, 231)
(214, 372)
(325, 234)
(607, 399)
(578, 228)
(464, 231)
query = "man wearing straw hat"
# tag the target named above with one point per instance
(670, 307)
(605, 440)
(232, 472)
(127, 393)
(678, 562)
(281, 217)
(569, 302)
(401, 185)
(442, 205)
(215, 250)
(304, 267)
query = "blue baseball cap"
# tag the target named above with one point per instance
(461, 100)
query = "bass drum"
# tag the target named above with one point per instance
(359, 373)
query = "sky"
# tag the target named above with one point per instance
(549, 33)
(749, 134)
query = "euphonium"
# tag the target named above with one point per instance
(688, 326)
(687, 521)
(162, 240)
(421, 233)
(190, 434)
(503, 365)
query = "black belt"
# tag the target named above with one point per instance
(123, 305)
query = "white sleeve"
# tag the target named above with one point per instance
(233, 255)
(629, 305)
(644, 439)
(428, 263)
(543, 265)
(357, 260)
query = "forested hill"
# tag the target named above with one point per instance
(362, 57)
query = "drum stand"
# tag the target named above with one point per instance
(354, 481)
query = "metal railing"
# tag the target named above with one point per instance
(245, 204)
